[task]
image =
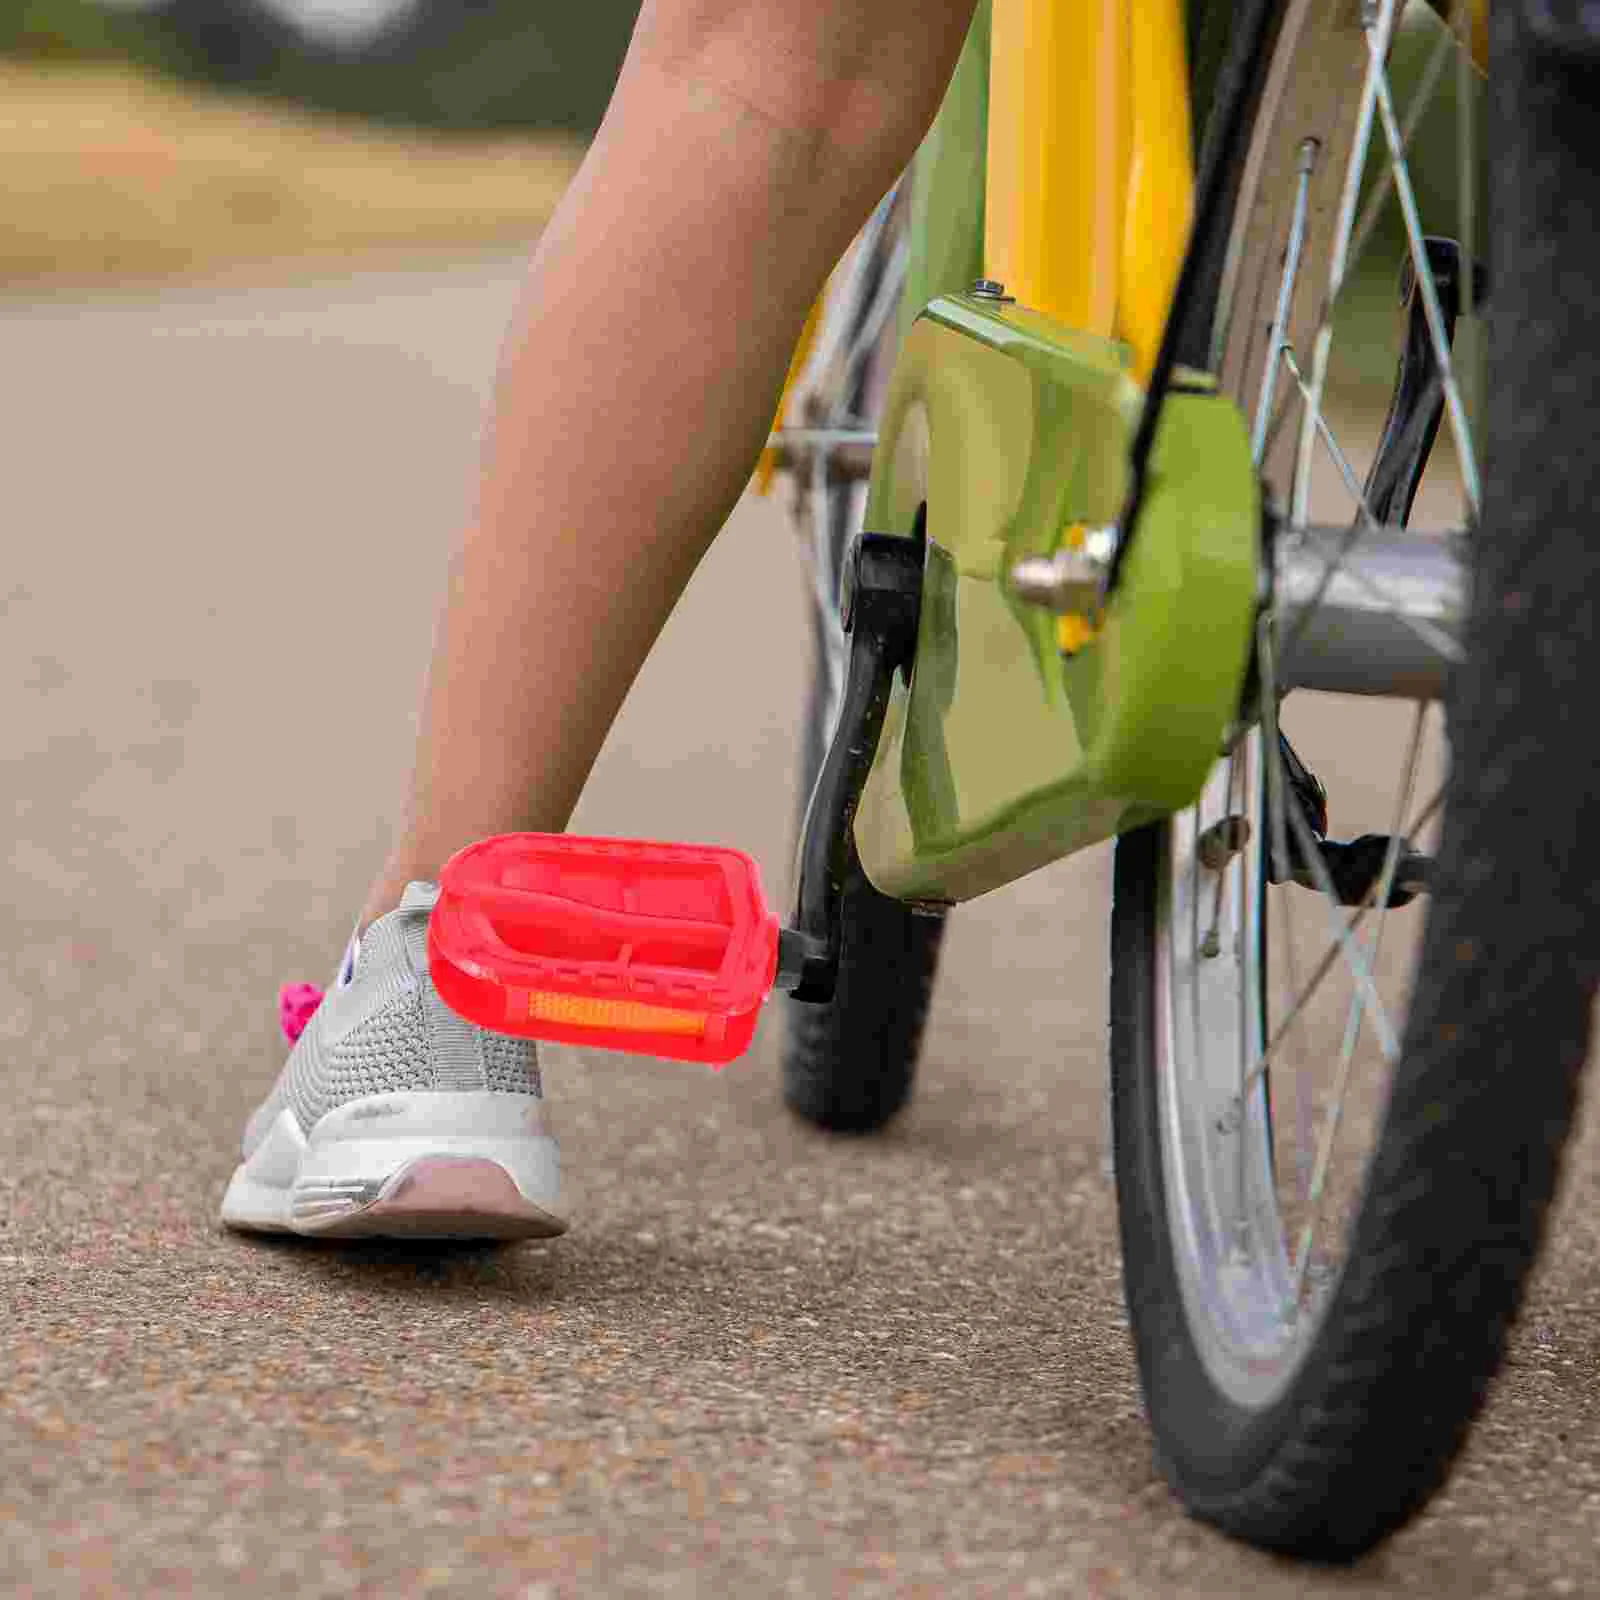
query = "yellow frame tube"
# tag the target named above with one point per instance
(1090, 184)
(767, 461)
(1159, 205)
(1090, 170)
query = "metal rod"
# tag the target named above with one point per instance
(1280, 316)
(1387, 622)
(805, 438)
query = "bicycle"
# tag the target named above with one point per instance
(1099, 580)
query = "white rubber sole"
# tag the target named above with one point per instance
(433, 1165)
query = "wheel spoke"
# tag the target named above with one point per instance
(1467, 458)
(1266, 657)
(1329, 959)
(1466, 154)
(1197, 1030)
(1354, 954)
(878, 314)
(1211, 945)
(1301, 829)
(1280, 317)
(1352, 1032)
(835, 331)
(1365, 522)
(1340, 262)
(1466, 165)
(837, 363)
(1364, 517)
(1257, 1184)
(830, 631)
(1373, 209)
(1211, 950)
(1335, 563)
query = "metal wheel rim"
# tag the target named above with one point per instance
(1248, 1307)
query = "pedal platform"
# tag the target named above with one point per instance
(620, 944)
(669, 949)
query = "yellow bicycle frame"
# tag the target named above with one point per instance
(1061, 167)
(1090, 167)
(1090, 170)
(1090, 188)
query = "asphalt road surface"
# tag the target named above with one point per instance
(763, 1361)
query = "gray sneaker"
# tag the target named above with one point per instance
(395, 1116)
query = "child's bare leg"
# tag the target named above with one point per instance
(746, 141)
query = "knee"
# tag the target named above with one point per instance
(867, 75)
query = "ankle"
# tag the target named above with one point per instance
(382, 898)
(408, 863)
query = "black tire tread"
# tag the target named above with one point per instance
(1461, 1181)
(848, 1065)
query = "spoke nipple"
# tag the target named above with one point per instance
(1221, 842)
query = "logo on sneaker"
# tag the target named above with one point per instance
(365, 1113)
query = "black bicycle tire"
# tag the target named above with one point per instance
(849, 1063)
(1458, 1188)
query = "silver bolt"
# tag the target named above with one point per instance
(991, 289)
(1069, 583)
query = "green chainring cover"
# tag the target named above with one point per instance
(1007, 753)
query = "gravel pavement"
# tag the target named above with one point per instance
(763, 1361)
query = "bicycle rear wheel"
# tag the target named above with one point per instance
(1333, 1168)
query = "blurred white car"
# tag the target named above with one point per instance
(343, 23)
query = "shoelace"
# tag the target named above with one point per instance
(297, 1003)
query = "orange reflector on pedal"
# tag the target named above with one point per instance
(628, 1015)
(625, 944)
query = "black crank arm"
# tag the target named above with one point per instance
(880, 601)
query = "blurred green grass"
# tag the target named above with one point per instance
(113, 176)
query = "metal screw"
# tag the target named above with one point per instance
(1068, 583)
(990, 289)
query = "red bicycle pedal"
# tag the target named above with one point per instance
(623, 944)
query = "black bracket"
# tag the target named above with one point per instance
(1354, 868)
(880, 601)
(1417, 403)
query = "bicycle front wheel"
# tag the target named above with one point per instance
(1343, 1075)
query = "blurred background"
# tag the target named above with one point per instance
(457, 64)
(145, 138)
(152, 138)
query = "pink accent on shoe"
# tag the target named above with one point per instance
(296, 1003)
